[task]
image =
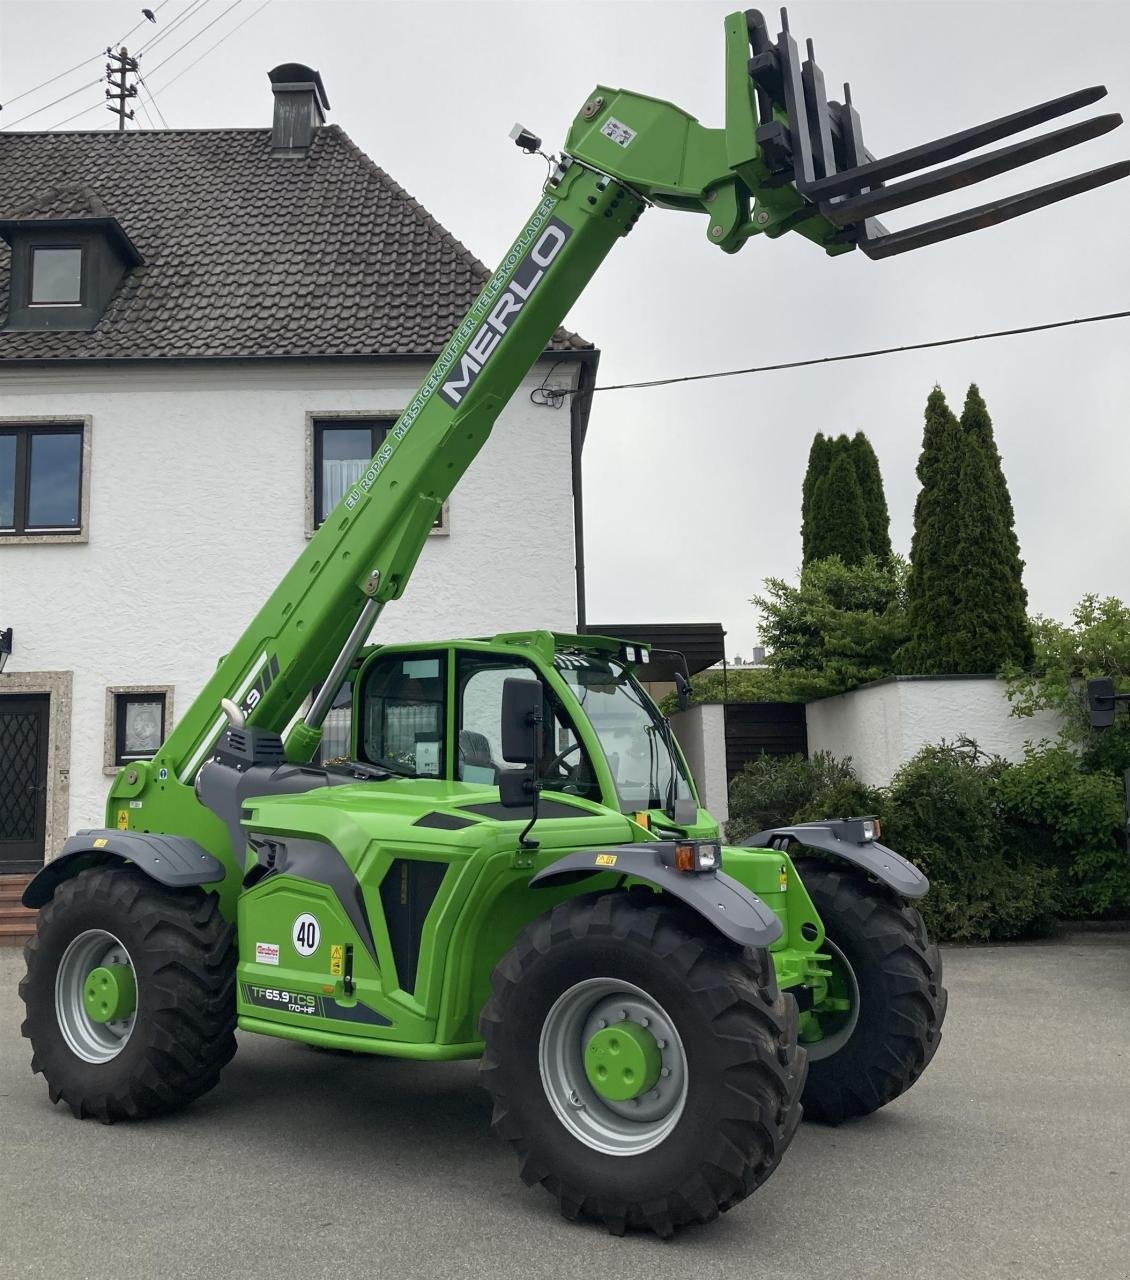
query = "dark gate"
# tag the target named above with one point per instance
(763, 729)
(23, 780)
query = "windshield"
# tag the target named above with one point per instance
(630, 730)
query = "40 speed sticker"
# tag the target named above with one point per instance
(305, 934)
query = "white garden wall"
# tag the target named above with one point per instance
(882, 725)
(701, 731)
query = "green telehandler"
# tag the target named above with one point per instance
(510, 862)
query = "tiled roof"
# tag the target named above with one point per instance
(245, 254)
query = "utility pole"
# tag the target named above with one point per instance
(116, 74)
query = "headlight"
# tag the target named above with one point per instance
(698, 855)
(871, 829)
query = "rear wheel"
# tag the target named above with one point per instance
(645, 1071)
(130, 995)
(875, 1027)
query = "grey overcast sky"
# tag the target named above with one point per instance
(692, 493)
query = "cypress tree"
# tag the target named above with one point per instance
(1015, 639)
(932, 589)
(874, 499)
(986, 630)
(819, 459)
(838, 517)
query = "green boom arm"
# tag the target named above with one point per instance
(767, 171)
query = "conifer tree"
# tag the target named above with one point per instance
(819, 459)
(838, 517)
(1014, 636)
(931, 593)
(874, 499)
(985, 631)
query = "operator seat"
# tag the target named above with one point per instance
(474, 755)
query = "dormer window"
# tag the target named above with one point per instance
(56, 276)
(69, 255)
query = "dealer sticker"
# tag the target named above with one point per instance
(266, 953)
(305, 935)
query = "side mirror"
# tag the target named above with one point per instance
(683, 690)
(522, 728)
(516, 788)
(1100, 700)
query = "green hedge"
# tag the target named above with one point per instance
(1009, 848)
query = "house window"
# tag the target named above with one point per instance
(138, 725)
(41, 479)
(56, 277)
(343, 447)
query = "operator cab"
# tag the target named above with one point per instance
(438, 713)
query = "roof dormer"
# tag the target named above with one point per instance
(69, 254)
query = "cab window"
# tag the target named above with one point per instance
(403, 714)
(564, 766)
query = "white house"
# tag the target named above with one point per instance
(205, 334)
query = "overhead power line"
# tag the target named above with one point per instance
(149, 94)
(71, 70)
(81, 89)
(859, 355)
(185, 70)
(156, 10)
(178, 21)
(180, 49)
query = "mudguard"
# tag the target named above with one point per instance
(722, 902)
(175, 861)
(835, 837)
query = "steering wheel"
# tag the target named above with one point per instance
(559, 760)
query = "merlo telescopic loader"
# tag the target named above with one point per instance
(511, 864)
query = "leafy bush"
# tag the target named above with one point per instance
(839, 628)
(1008, 847)
(773, 791)
(1095, 643)
(1068, 818)
(943, 811)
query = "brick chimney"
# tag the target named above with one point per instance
(300, 107)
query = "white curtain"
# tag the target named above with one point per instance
(339, 475)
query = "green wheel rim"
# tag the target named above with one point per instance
(95, 971)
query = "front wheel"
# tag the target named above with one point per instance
(130, 994)
(876, 1024)
(645, 1071)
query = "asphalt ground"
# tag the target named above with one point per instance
(1008, 1159)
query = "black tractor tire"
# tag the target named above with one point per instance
(902, 1002)
(184, 958)
(743, 1067)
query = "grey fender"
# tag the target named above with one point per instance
(722, 902)
(835, 837)
(175, 861)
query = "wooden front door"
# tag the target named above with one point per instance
(24, 720)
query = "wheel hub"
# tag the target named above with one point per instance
(609, 1024)
(623, 1061)
(110, 993)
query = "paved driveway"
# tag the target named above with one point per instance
(1010, 1159)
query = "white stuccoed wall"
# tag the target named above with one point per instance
(882, 725)
(198, 484)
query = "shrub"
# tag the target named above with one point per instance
(1072, 820)
(949, 811)
(943, 811)
(774, 791)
